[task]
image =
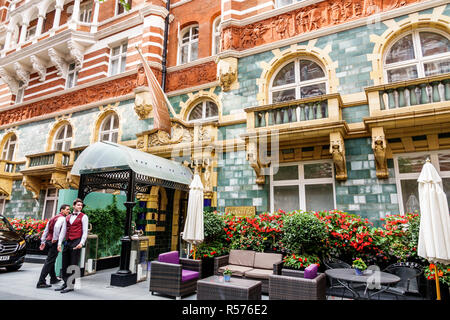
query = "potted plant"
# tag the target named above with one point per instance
(359, 266)
(227, 275)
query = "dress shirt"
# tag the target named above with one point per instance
(56, 229)
(84, 222)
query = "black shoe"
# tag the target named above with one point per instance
(55, 281)
(66, 290)
(61, 288)
(42, 285)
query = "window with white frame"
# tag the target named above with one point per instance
(305, 186)
(204, 111)
(420, 53)
(50, 203)
(297, 79)
(86, 12)
(118, 59)
(216, 36)
(407, 170)
(30, 33)
(188, 45)
(63, 138)
(123, 6)
(282, 3)
(109, 129)
(72, 76)
(9, 148)
(20, 92)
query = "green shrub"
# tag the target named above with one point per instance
(304, 233)
(213, 226)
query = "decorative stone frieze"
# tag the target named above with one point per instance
(379, 150)
(337, 150)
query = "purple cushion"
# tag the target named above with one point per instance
(310, 272)
(187, 275)
(169, 257)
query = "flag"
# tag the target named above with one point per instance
(159, 99)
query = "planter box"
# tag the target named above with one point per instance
(431, 290)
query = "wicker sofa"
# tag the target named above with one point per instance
(251, 265)
(292, 285)
(174, 276)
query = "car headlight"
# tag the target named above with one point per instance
(22, 244)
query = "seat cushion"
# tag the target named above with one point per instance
(187, 275)
(236, 270)
(310, 271)
(258, 273)
(266, 260)
(242, 258)
(169, 257)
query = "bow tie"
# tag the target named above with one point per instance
(74, 213)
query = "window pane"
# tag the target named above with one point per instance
(310, 70)
(116, 51)
(194, 33)
(194, 51)
(444, 162)
(446, 186)
(184, 54)
(69, 131)
(284, 95)
(402, 74)
(437, 67)
(123, 64)
(211, 110)
(433, 43)
(286, 173)
(411, 164)
(313, 90)
(105, 137)
(66, 146)
(196, 113)
(114, 66)
(115, 137)
(318, 170)
(49, 205)
(59, 146)
(319, 197)
(51, 192)
(410, 195)
(286, 198)
(216, 44)
(11, 152)
(285, 76)
(61, 133)
(402, 50)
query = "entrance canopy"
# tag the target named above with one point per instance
(106, 165)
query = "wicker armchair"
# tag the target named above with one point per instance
(292, 286)
(409, 273)
(175, 279)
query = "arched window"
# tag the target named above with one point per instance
(300, 78)
(63, 138)
(204, 111)
(420, 53)
(9, 148)
(216, 36)
(109, 129)
(188, 46)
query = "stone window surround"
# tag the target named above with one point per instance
(409, 176)
(301, 182)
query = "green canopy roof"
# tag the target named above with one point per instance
(108, 156)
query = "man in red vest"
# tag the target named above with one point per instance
(49, 239)
(75, 231)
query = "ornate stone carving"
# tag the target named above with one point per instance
(110, 89)
(32, 184)
(76, 51)
(193, 76)
(180, 134)
(59, 180)
(207, 177)
(39, 66)
(22, 73)
(337, 151)
(227, 72)
(59, 62)
(12, 82)
(142, 103)
(379, 151)
(253, 158)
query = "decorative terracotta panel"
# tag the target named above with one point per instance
(193, 76)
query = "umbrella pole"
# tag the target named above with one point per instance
(194, 250)
(438, 289)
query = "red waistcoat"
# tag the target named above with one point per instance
(74, 230)
(51, 227)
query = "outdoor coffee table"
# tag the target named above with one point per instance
(378, 279)
(215, 288)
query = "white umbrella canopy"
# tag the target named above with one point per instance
(434, 231)
(193, 228)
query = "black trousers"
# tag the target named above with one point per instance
(70, 256)
(49, 265)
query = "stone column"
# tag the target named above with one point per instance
(23, 33)
(9, 33)
(95, 17)
(75, 15)
(58, 9)
(40, 25)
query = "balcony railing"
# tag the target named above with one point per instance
(427, 90)
(51, 158)
(10, 167)
(295, 111)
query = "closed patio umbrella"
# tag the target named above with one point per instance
(434, 231)
(193, 228)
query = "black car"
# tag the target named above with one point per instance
(12, 246)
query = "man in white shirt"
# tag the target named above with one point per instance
(49, 239)
(75, 231)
